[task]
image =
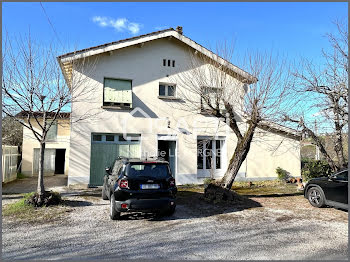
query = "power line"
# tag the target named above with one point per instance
(52, 27)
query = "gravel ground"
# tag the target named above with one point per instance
(281, 228)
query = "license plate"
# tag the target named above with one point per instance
(149, 186)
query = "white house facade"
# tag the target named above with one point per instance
(137, 112)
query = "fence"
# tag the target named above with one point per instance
(9, 163)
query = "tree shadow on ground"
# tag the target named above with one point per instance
(4, 197)
(272, 195)
(193, 205)
(76, 203)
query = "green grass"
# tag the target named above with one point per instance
(19, 207)
(21, 176)
(20, 211)
(258, 188)
(265, 188)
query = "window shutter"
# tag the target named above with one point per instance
(117, 91)
(52, 132)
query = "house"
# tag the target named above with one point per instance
(134, 99)
(56, 148)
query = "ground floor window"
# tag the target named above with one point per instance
(209, 154)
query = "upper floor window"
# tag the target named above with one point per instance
(168, 62)
(117, 92)
(211, 99)
(52, 132)
(167, 90)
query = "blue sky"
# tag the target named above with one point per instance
(293, 29)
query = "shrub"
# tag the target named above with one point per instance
(315, 168)
(281, 174)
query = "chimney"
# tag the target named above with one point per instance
(179, 29)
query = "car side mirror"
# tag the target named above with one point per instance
(108, 170)
(333, 177)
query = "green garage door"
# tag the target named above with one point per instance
(104, 154)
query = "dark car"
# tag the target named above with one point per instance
(141, 186)
(330, 191)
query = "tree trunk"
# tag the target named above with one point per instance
(41, 188)
(240, 154)
(339, 149)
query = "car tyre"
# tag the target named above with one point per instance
(316, 197)
(114, 214)
(171, 211)
(104, 195)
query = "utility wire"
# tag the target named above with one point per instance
(52, 27)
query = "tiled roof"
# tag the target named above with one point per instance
(25, 114)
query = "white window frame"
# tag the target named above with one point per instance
(204, 172)
(116, 139)
(167, 85)
(118, 104)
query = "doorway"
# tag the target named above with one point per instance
(167, 151)
(59, 161)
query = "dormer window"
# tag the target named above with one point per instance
(167, 90)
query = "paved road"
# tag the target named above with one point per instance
(29, 184)
(283, 228)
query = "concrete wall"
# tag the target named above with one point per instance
(30, 143)
(144, 66)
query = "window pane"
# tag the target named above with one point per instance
(129, 137)
(218, 154)
(208, 154)
(52, 132)
(173, 63)
(164, 62)
(109, 137)
(97, 138)
(171, 90)
(200, 154)
(117, 91)
(162, 90)
(168, 62)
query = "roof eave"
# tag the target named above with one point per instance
(69, 57)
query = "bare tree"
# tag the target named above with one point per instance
(324, 88)
(35, 93)
(211, 85)
(12, 132)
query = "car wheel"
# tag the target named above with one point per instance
(171, 211)
(113, 213)
(316, 197)
(104, 195)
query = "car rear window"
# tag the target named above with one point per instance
(148, 170)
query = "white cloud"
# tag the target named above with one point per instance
(134, 28)
(120, 24)
(101, 21)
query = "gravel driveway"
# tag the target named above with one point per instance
(277, 228)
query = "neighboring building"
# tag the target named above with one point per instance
(135, 94)
(56, 149)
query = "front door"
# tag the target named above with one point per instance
(59, 161)
(167, 151)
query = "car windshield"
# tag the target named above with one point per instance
(148, 170)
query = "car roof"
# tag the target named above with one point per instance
(142, 160)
